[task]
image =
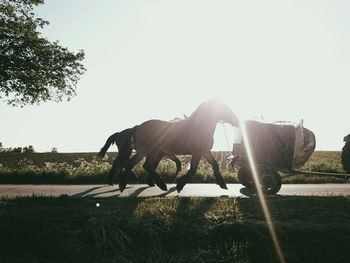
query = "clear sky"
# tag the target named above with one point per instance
(283, 60)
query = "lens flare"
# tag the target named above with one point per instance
(260, 193)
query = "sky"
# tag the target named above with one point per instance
(268, 60)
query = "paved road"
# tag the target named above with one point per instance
(141, 190)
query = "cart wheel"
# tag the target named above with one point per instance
(245, 178)
(271, 182)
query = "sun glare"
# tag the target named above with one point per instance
(260, 193)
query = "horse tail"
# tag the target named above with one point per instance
(112, 139)
(126, 139)
(123, 140)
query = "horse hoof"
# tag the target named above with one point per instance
(179, 187)
(109, 180)
(223, 186)
(110, 183)
(221, 183)
(150, 182)
(122, 186)
(161, 185)
(181, 183)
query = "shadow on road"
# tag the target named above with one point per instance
(101, 193)
(171, 190)
(82, 194)
(88, 192)
(252, 194)
(138, 191)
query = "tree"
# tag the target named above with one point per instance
(29, 149)
(54, 150)
(17, 150)
(33, 69)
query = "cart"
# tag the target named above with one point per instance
(274, 147)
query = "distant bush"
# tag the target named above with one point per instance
(81, 172)
(29, 149)
(54, 150)
(26, 149)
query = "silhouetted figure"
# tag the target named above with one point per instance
(191, 136)
(345, 155)
(124, 142)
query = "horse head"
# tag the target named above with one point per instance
(217, 110)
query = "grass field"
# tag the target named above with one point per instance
(38, 229)
(84, 168)
(64, 229)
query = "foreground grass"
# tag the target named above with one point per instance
(309, 229)
(84, 168)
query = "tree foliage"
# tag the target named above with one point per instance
(26, 149)
(33, 69)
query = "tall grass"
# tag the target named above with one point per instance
(85, 168)
(309, 229)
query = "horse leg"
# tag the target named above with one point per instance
(149, 179)
(128, 170)
(120, 162)
(124, 157)
(150, 175)
(181, 181)
(177, 162)
(116, 167)
(150, 166)
(218, 177)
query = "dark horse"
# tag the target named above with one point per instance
(124, 142)
(192, 136)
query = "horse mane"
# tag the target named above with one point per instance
(177, 119)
